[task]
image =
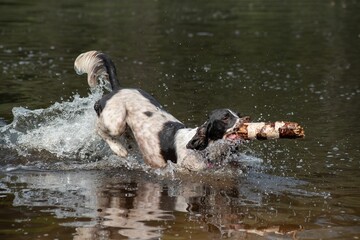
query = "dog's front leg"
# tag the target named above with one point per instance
(112, 141)
(114, 144)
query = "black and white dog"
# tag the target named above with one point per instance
(159, 136)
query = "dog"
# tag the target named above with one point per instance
(159, 135)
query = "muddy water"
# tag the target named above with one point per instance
(272, 60)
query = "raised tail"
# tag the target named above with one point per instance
(97, 65)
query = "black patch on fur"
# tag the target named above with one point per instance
(148, 113)
(111, 70)
(101, 103)
(213, 129)
(167, 140)
(97, 107)
(151, 99)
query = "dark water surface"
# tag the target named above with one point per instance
(272, 60)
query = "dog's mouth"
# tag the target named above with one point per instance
(232, 136)
(235, 133)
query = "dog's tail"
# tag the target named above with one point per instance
(96, 65)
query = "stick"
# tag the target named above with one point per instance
(265, 130)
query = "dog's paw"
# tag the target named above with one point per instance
(118, 149)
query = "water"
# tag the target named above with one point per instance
(272, 60)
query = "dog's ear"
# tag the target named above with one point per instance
(200, 139)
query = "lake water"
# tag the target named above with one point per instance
(272, 60)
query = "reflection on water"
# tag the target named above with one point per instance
(128, 204)
(111, 204)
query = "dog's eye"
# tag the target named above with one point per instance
(225, 117)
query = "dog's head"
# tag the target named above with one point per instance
(220, 122)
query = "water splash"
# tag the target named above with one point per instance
(53, 137)
(64, 129)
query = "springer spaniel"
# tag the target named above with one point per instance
(159, 136)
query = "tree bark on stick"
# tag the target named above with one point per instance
(266, 130)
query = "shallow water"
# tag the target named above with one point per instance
(272, 60)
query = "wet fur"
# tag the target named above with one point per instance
(159, 135)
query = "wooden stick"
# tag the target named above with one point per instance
(266, 130)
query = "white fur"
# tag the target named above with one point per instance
(127, 107)
(188, 158)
